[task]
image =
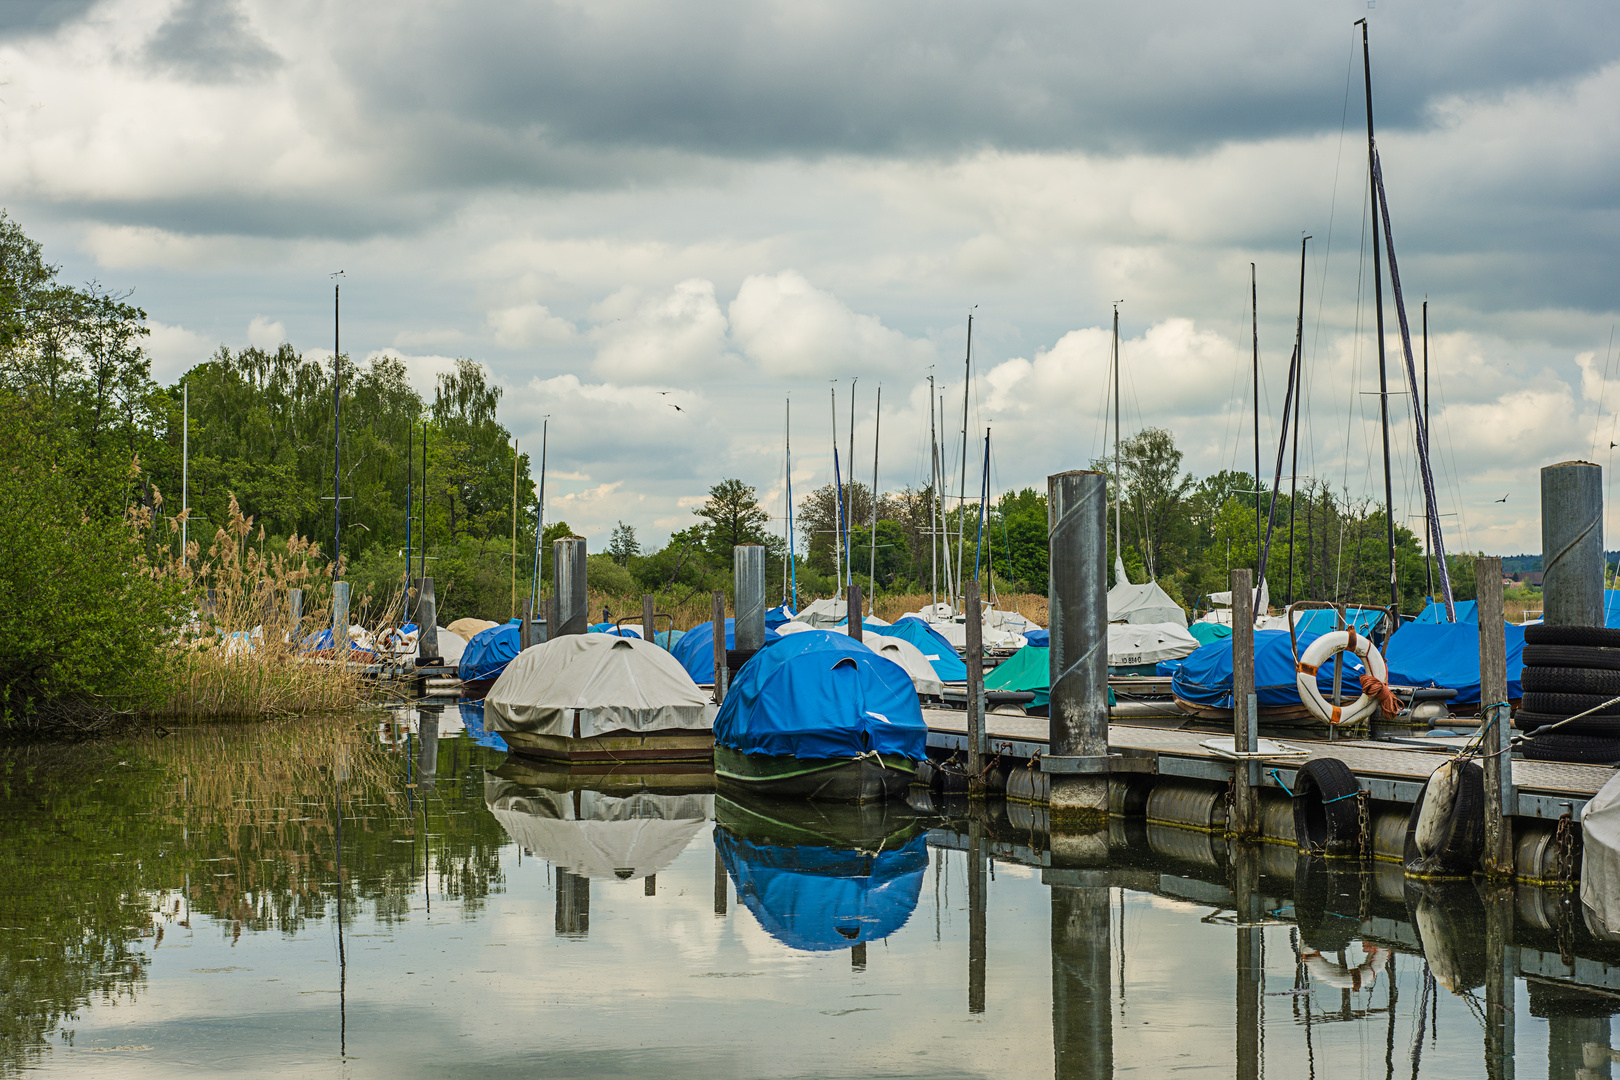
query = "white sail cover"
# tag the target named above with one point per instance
(1134, 644)
(1600, 856)
(608, 683)
(610, 838)
(823, 614)
(899, 650)
(1143, 604)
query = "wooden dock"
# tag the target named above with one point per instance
(1386, 771)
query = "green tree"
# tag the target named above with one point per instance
(623, 545)
(732, 515)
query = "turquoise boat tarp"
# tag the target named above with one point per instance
(489, 651)
(1205, 632)
(939, 653)
(695, 649)
(820, 695)
(1027, 669)
(823, 899)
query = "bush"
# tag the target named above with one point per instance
(84, 628)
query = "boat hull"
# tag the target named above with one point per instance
(853, 780)
(615, 747)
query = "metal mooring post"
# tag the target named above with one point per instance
(748, 577)
(340, 619)
(568, 578)
(1500, 799)
(1077, 602)
(1245, 740)
(295, 614)
(1572, 544)
(427, 622)
(719, 646)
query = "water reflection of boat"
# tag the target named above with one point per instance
(595, 835)
(823, 878)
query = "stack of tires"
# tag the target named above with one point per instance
(1568, 670)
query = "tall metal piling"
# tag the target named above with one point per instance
(748, 575)
(1077, 602)
(1246, 773)
(568, 577)
(340, 619)
(295, 614)
(427, 621)
(1082, 983)
(1500, 798)
(1572, 544)
(427, 747)
(720, 646)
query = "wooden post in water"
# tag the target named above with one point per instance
(295, 614)
(1077, 602)
(648, 631)
(1500, 798)
(720, 896)
(340, 620)
(427, 623)
(974, 654)
(1244, 860)
(978, 895)
(719, 646)
(526, 625)
(427, 747)
(857, 956)
(1501, 997)
(854, 619)
(649, 886)
(1246, 794)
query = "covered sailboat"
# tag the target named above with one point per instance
(592, 697)
(817, 715)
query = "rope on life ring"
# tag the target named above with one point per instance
(1374, 683)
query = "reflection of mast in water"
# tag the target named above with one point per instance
(1082, 1026)
(343, 960)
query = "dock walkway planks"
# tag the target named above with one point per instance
(1546, 789)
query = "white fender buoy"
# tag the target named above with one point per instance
(1318, 653)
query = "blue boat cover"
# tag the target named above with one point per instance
(1205, 676)
(1040, 637)
(1435, 612)
(817, 694)
(665, 637)
(489, 651)
(821, 899)
(1447, 655)
(777, 616)
(941, 655)
(695, 648)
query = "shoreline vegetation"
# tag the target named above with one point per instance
(149, 534)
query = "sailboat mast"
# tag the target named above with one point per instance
(838, 504)
(539, 513)
(1254, 324)
(1378, 307)
(793, 569)
(849, 502)
(337, 445)
(1428, 530)
(877, 430)
(1299, 353)
(961, 497)
(984, 493)
(1119, 484)
(933, 500)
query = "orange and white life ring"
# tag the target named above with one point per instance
(1320, 652)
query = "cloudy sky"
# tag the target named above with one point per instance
(619, 207)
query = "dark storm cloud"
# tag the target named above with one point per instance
(209, 41)
(19, 18)
(738, 77)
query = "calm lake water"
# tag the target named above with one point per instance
(305, 899)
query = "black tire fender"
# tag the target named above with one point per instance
(1600, 637)
(1576, 656)
(1327, 813)
(1571, 680)
(1576, 749)
(1591, 727)
(1562, 703)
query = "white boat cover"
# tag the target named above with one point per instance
(610, 839)
(899, 650)
(450, 645)
(610, 684)
(823, 614)
(1132, 644)
(1262, 602)
(1143, 604)
(1600, 856)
